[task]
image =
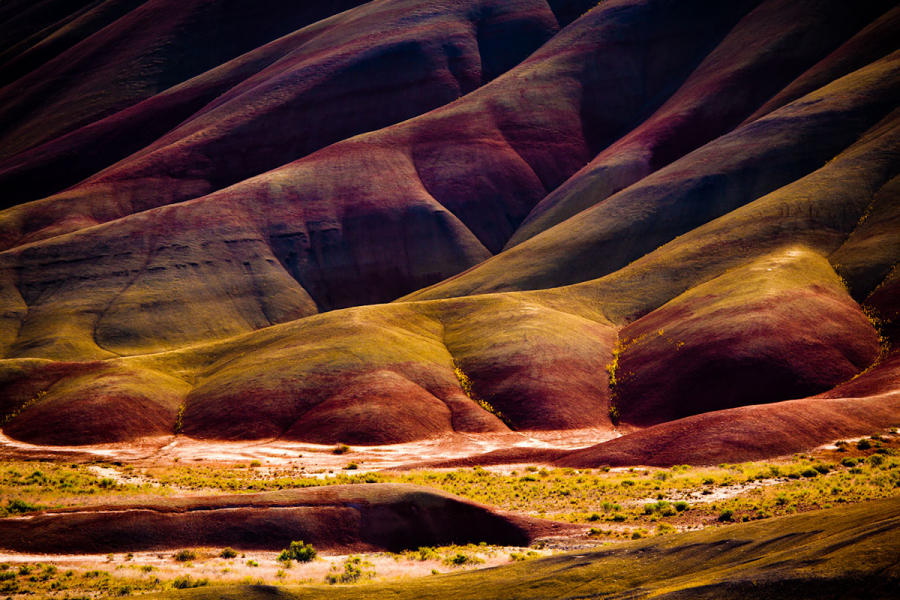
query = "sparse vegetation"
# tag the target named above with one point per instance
(620, 503)
(468, 389)
(354, 569)
(186, 581)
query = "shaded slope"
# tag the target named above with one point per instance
(367, 68)
(157, 45)
(842, 553)
(341, 518)
(67, 159)
(64, 24)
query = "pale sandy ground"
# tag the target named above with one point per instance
(314, 458)
(237, 570)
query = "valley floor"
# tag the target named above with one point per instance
(609, 509)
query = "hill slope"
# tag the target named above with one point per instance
(645, 217)
(846, 552)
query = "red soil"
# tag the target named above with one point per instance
(351, 518)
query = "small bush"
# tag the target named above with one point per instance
(849, 462)
(228, 553)
(341, 449)
(459, 559)
(351, 466)
(726, 515)
(863, 445)
(426, 553)
(185, 555)
(185, 582)
(662, 507)
(16, 506)
(681, 506)
(354, 570)
(809, 472)
(298, 551)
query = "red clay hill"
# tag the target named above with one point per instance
(339, 518)
(389, 221)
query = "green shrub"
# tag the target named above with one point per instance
(185, 555)
(299, 551)
(863, 445)
(849, 462)
(185, 581)
(662, 507)
(681, 506)
(726, 515)
(426, 553)
(354, 570)
(228, 553)
(809, 472)
(341, 449)
(459, 559)
(15, 506)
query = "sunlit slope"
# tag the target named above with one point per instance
(526, 361)
(846, 552)
(780, 327)
(368, 375)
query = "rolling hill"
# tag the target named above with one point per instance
(675, 223)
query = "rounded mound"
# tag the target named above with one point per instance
(352, 518)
